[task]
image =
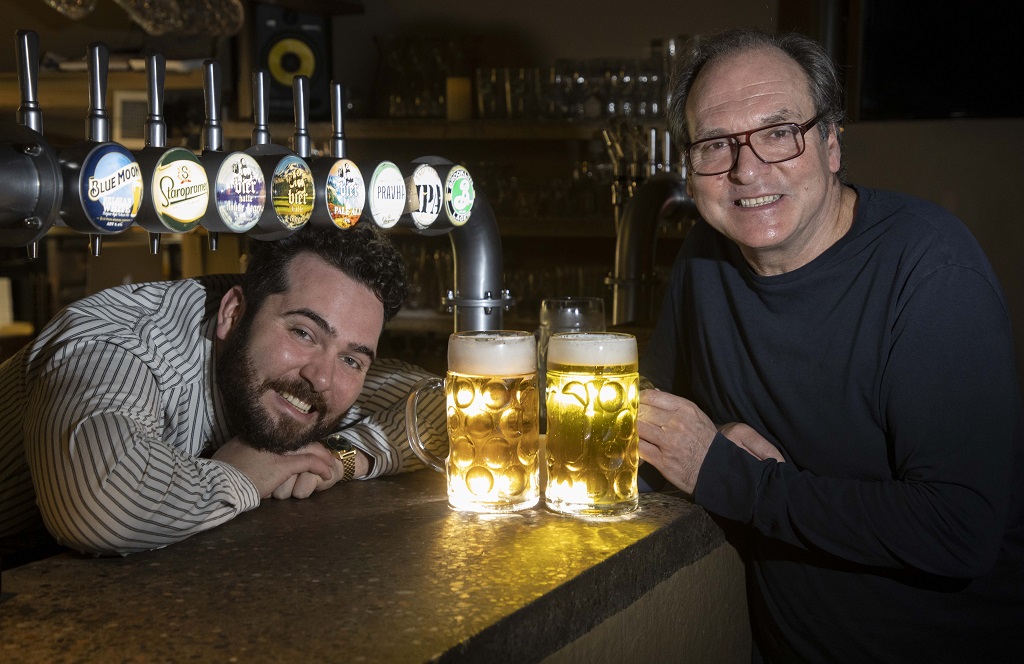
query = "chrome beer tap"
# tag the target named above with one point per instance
(30, 198)
(338, 183)
(178, 192)
(290, 182)
(103, 186)
(239, 192)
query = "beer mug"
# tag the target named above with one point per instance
(592, 395)
(492, 404)
(564, 314)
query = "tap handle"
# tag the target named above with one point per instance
(98, 124)
(337, 120)
(260, 109)
(156, 128)
(213, 132)
(300, 97)
(29, 113)
(667, 150)
(652, 152)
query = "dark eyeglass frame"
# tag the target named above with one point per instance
(745, 135)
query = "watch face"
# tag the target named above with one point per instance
(336, 443)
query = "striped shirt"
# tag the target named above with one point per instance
(109, 415)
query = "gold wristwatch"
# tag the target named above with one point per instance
(343, 451)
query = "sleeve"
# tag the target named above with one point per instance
(950, 405)
(376, 423)
(107, 478)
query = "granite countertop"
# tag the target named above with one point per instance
(377, 571)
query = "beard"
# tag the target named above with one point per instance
(241, 390)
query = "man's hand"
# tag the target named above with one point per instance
(751, 441)
(268, 471)
(674, 436)
(304, 484)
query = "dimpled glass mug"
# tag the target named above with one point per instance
(492, 404)
(592, 451)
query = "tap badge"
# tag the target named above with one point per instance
(112, 187)
(293, 192)
(180, 190)
(386, 194)
(345, 193)
(459, 195)
(241, 192)
(424, 202)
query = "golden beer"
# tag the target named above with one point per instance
(592, 396)
(492, 416)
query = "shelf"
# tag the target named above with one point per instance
(434, 129)
(70, 90)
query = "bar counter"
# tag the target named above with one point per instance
(385, 571)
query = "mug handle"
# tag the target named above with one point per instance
(412, 428)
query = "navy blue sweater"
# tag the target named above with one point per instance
(884, 371)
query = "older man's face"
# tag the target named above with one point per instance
(779, 214)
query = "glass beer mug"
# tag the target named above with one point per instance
(592, 396)
(492, 404)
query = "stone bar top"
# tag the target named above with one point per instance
(375, 571)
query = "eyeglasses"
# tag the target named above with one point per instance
(771, 144)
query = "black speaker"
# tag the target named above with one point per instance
(288, 43)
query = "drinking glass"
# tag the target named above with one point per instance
(492, 404)
(592, 443)
(565, 314)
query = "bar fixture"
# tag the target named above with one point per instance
(29, 168)
(239, 191)
(178, 192)
(103, 186)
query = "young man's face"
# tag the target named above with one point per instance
(288, 373)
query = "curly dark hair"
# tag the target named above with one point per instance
(362, 252)
(823, 79)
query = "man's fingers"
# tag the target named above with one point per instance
(285, 490)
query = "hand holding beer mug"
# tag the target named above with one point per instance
(592, 395)
(491, 392)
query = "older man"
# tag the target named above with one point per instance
(836, 374)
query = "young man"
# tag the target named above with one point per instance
(150, 412)
(836, 373)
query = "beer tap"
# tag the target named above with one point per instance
(239, 189)
(30, 198)
(103, 186)
(179, 192)
(291, 182)
(337, 181)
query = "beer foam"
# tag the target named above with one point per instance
(492, 353)
(592, 349)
